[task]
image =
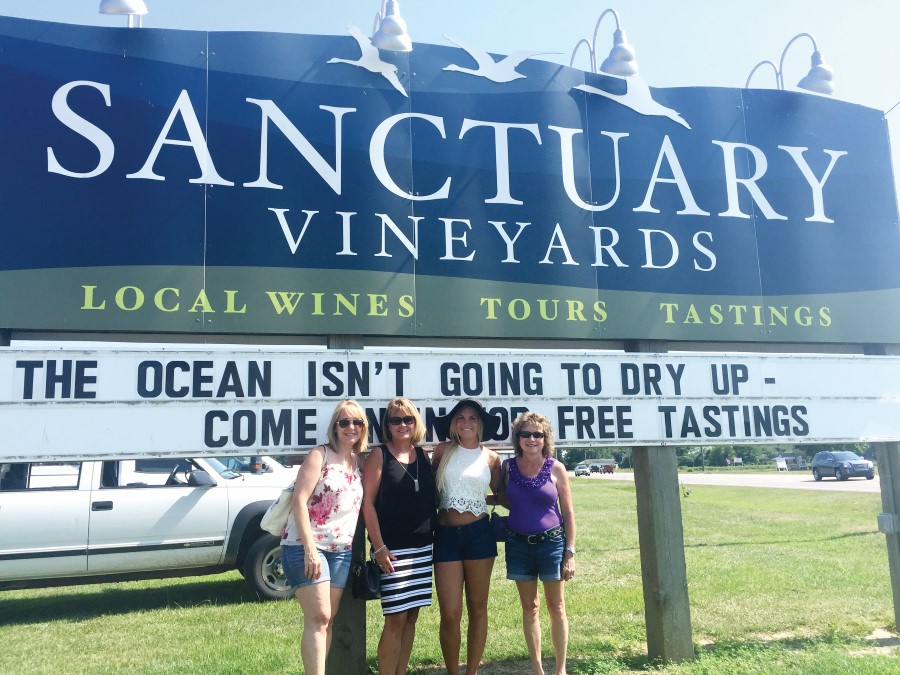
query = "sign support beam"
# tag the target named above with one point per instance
(348, 636)
(667, 612)
(888, 457)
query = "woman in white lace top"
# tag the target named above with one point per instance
(464, 545)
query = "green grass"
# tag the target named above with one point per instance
(780, 581)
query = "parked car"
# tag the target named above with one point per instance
(842, 465)
(115, 520)
(582, 470)
(595, 468)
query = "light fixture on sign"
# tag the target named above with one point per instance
(131, 8)
(621, 57)
(389, 31)
(819, 79)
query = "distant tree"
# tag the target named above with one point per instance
(718, 454)
(809, 451)
(685, 455)
(623, 457)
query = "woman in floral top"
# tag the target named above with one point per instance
(317, 543)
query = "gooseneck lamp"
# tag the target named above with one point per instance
(621, 59)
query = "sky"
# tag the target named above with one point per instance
(678, 44)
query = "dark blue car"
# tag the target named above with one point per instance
(842, 465)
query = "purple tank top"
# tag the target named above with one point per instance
(533, 502)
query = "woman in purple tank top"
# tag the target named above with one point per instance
(540, 540)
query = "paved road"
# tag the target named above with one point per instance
(795, 480)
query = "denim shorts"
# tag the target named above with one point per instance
(335, 566)
(474, 541)
(527, 562)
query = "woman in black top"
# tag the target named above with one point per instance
(399, 511)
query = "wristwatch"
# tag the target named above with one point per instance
(570, 549)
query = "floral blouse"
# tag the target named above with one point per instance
(333, 510)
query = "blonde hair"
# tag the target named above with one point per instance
(542, 423)
(440, 475)
(405, 406)
(354, 411)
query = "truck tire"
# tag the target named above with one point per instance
(262, 569)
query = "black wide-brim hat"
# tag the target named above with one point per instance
(490, 424)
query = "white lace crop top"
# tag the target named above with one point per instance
(466, 479)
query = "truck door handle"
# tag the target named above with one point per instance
(101, 506)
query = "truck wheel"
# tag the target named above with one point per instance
(262, 569)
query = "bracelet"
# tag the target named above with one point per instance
(570, 549)
(378, 550)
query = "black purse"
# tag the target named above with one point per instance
(498, 523)
(365, 579)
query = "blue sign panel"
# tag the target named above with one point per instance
(245, 183)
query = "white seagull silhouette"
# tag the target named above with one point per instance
(637, 97)
(370, 59)
(496, 71)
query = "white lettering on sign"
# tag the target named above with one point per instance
(733, 155)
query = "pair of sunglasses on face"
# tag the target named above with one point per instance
(531, 434)
(344, 423)
(397, 421)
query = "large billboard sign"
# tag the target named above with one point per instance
(242, 183)
(131, 403)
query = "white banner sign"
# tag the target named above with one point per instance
(128, 403)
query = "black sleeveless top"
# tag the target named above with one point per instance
(406, 517)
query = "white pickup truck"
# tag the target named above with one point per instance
(75, 522)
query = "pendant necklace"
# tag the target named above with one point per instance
(415, 461)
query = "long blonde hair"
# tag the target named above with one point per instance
(440, 476)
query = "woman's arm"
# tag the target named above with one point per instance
(307, 477)
(496, 488)
(568, 518)
(371, 483)
(504, 481)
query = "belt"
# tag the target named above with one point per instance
(538, 538)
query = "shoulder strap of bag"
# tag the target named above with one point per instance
(384, 453)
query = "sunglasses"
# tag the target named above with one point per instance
(397, 421)
(343, 424)
(531, 434)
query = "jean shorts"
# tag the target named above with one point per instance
(335, 566)
(527, 562)
(474, 541)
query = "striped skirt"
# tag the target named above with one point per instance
(410, 584)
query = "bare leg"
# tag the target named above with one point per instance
(336, 594)
(531, 624)
(554, 592)
(315, 600)
(448, 580)
(389, 646)
(406, 640)
(478, 583)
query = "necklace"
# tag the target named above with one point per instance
(415, 479)
(535, 481)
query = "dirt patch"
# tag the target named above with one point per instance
(882, 642)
